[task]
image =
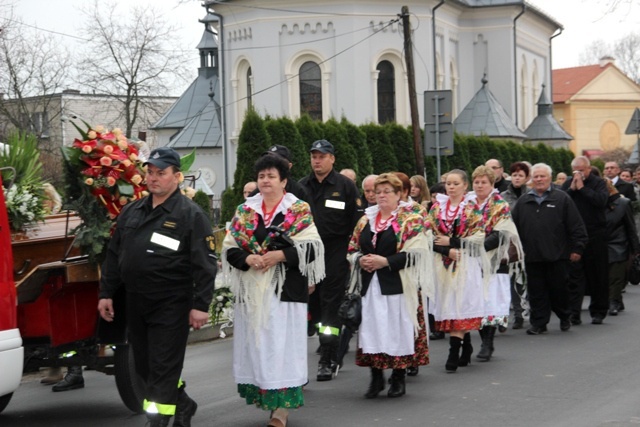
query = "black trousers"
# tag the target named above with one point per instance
(590, 276)
(547, 288)
(332, 288)
(158, 330)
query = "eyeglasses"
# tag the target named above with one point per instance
(385, 192)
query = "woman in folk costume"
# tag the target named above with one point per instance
(458, 301)
(390, 257)
(270, 275)
(500, 235)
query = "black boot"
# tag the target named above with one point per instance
(487, 343)
(157, 420)
(71, 381)
(467, 350)
(377, 383)
(397, 387)
(185, 410)
(327, 366)
(454, 354)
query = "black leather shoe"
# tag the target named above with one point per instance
(613, 308)
(185, 410)
(575, 320)
(70, 382)
(597, 320)
(565, 325)
(325, 373)
(518, 323)
(438, 335)
(536, 330)
(376, 385)
(412, 371)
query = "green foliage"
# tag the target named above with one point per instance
(461, 158)
(401, 139)
(283, 131)
(252, 142)
(358, 140)
(201, 199)
(309, 129)
(22, 155)
(382, 152)
(599, 163)
(478, 153)
(346, 156)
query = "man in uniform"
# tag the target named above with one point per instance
(336, 208)
(163, 253)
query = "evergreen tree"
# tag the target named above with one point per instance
(309, 130)
(382, 153)
(337, 135)
(283, 131)
(478, 153)
(460, 158)
(358, 140)
(252, 142)
(401, 139)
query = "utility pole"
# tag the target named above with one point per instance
(413, 101)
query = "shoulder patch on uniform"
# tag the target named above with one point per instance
(211, 243)
(358, 202)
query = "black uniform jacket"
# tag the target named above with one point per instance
(335, 204)
(296, 287)
(292, 187)
(165, 249)
(549, 231)
(622, 234)
(389, 277)
(590, 201)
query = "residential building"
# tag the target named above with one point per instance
(594, 104)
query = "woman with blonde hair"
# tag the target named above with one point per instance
(391, 258)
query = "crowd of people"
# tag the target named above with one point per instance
(470, 253)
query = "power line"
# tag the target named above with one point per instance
(391, 22)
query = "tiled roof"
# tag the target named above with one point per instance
(484, 115)
(569, 81)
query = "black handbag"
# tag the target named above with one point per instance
(350, 310)
(279, 240)
(634, 271)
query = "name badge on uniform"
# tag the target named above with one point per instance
(334, 204)
(165, 241)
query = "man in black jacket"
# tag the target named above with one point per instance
(336, 207)
(589, 276)
(553, 236)
(612, 171)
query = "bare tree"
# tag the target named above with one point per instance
(131, 56)
(627, 54)
(32, 68)
(625, 51)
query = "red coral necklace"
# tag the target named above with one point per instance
(267, 216)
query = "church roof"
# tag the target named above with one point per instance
(202, 131)
(545, 127)
(484, 115)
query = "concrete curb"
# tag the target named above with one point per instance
(208, 332)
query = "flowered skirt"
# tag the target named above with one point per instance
(270, 400)
(420, 357)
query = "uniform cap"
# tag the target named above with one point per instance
(322, 146)
(164, 157)
(280, 150)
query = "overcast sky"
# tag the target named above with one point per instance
(584, 21)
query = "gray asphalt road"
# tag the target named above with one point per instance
(588, 376)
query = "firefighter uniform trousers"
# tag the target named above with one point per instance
(158, 331)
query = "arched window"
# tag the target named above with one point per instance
(386, 92)
(311, 90)
(249, 87)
